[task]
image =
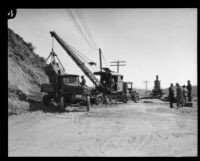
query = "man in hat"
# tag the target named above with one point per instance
(189, 88)
(171, 95)
(83, 80)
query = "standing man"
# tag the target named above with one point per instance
(178, 95)
(83, 80)
(185, 92)
(171, 95)
(189, 88)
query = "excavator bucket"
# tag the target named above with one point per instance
(51, 71)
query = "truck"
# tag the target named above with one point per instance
(63, 89)
(133, 95)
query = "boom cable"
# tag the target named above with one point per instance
(86, 27)
(78, 18)
(82, 55)
(76, 27)
(78, 53)
(79, 28)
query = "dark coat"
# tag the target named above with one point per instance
(189, 87)
(171, 92)
(83, 82)
(179, 94)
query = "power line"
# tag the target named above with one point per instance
(77, 19)
(69, 13)
(79, 28)
(86, 27)
(88, 30)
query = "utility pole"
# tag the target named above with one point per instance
(117, 63)
(146, 85)
(100, 60)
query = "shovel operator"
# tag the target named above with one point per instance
(83, 81)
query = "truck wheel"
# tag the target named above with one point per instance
(62, 104)
(125, 100)
(88, 103)
(136, 99)
(46, 100)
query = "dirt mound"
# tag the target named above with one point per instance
(25, 74)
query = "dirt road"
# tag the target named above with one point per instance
(142, 129)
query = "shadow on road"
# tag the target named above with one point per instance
(37, 105)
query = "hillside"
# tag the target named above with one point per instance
(25, 73)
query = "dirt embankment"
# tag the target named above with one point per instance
(25, 74)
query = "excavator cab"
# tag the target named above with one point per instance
(117, 82)
(113, 82)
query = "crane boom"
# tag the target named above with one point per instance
(78, 62)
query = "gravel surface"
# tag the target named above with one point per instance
(132, 129)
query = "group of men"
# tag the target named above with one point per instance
(181, 94)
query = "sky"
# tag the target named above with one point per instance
(152, 41)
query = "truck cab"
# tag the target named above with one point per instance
(67, 80)
(70, 84)
(132, 94)
(65, 90)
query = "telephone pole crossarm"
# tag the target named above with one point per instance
(117, 64)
